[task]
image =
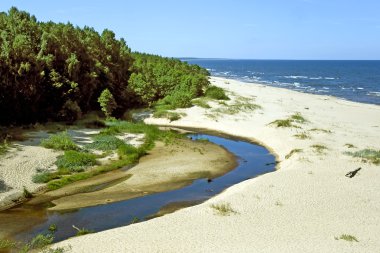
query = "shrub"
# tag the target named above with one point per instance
(74, 161)
(42, 177)
(215, 92)
(40, 241)
(70, 111)
(60, 141)
(107, 102)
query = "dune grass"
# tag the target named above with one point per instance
(289, 122)
(367, 155)
(294, 151)
(171, 116)
(302, 136)
(346, 237)
(201, 102)
(319, 148)
(4, 147)
(60, 141)
(223, 209)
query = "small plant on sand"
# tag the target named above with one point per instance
(278, 203)
(346, 237)
(319, 148)
(297, 117)
(367, 155)
(302, 136)
(27, 193)
(223, 209)
(294, 151)
(74, 161)
(82, 231)
(282, 123)
(60, 141)
(321, 130)
(289, 122)
(217, 93)
(349, 145)
(172, 116)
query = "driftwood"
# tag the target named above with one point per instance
(351, 174)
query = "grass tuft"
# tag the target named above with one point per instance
(60, 141)
(349, 145)
(7, 244)
(321, 130)
(223, 209)
(105, 143)
(346, 237)
(297, 117)
(201, 102)
(367, 155)
(294, 151)
(319, 148)
(302, 136)
(282, 123)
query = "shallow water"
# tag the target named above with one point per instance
(253, 160)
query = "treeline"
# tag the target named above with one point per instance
(51, 71)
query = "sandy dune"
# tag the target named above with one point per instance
(305, 206)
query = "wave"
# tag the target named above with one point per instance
(374, 93)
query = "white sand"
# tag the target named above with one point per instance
(301, 207)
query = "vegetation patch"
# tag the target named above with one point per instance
(294, 151)
(105, 143)
(4, 147)
(302, 136)
(172, 116)
(7, 244)
(349, 145)
(240, 104)
(223, 209)
(367, 155)
(74, 161)
(320, 130)
(217, 93)
(201, 102)
(289, 122)
(346, 237)
(60, 141)
(319, 148)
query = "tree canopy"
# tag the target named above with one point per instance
(56, 71)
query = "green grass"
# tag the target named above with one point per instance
(217, 93)
(60, 141)
(294, 151)
(346, 237)
(302, 136)
(223, 209)
(105, 143)
(7, 244)
(319, 148)
(367, 155)
(172, 116)
(201, 102)
(71, 164)
(74, 161)
(4, 147)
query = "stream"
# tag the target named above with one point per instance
(253, 160)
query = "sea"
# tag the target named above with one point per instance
(357, 81)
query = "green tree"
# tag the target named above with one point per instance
(107, 102)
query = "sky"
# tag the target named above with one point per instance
(235, 29)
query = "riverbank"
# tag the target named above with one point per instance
(307, 205)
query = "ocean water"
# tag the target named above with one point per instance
(352, 80)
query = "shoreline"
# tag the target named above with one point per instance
(306, 205)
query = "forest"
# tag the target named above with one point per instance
(55, 71)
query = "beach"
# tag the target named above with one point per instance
(306, 205)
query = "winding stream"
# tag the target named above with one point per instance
(253, 160)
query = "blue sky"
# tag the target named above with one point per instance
(242, 29)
